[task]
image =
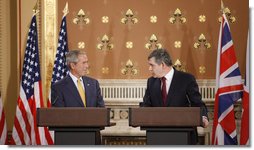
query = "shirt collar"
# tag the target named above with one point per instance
(74, 78)
(170, 74)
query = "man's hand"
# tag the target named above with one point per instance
(205, 121)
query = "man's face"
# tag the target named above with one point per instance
(155, 69)
(80, 68)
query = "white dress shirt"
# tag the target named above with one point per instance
(169, 77)
(75, 79)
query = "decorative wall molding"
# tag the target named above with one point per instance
(49, 40)
(131, 92)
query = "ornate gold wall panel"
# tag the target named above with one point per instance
(49, 40)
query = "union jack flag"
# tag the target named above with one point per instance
(25, 130)
(60, 67)
(229, 89)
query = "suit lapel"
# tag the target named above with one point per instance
(171, 89)
(157, 89)
(87, 90)
(71, 86)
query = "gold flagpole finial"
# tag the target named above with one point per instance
(66, 10)
(222, 6)
(35, 9)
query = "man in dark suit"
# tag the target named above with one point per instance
(171, 88)
(66, 92)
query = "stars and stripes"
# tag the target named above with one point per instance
(3, 125)
(25, 130)
(60, 69)
(228, 89)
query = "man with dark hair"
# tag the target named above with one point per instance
(76, 89)
(171, 88)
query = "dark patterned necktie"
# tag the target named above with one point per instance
(164, 90)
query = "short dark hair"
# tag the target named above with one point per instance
(161, 55)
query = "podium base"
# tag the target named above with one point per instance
(168, 136)
(75, 136)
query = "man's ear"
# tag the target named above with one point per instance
(163, 64)
(72, 65)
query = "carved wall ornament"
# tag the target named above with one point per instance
(81, 45)
(202, 41)
(104, 19)
(178, 44)
(153, 43)
(177, 16)
(202, 18)
(129, 18)
(105, 43)
(178, 66)
(229, 16)
(49, 75)
(202, 69)
(81, 18)
(105, 70)
(124, 114)
(48, 40)
(129, 68)
(111, 114)
(129, 44)
(153, 19)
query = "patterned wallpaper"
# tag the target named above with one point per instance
(118, 35)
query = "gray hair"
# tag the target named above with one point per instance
(72, 56)
(161, 55)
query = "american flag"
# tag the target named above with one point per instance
(228, 89)
(3, 126)
(60, 67)
(244, 138)
(25, 130)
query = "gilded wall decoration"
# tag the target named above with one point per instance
(202, 41)
(202, 18)
(153, 43)
(202, 69)
(105, 70)
(177, 17)
(178, 66)
(129, 68)
(48, 41)
(178, 44)
(153, 19)
(229, 16)
(81, 45)
(104, 19)
(81, 18)
(129, 17)
(129, 44)
(105, 43)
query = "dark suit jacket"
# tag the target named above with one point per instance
(183, 92)
(65, 94)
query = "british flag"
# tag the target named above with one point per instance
(60, 67)
(229, 89)
(25, 130)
